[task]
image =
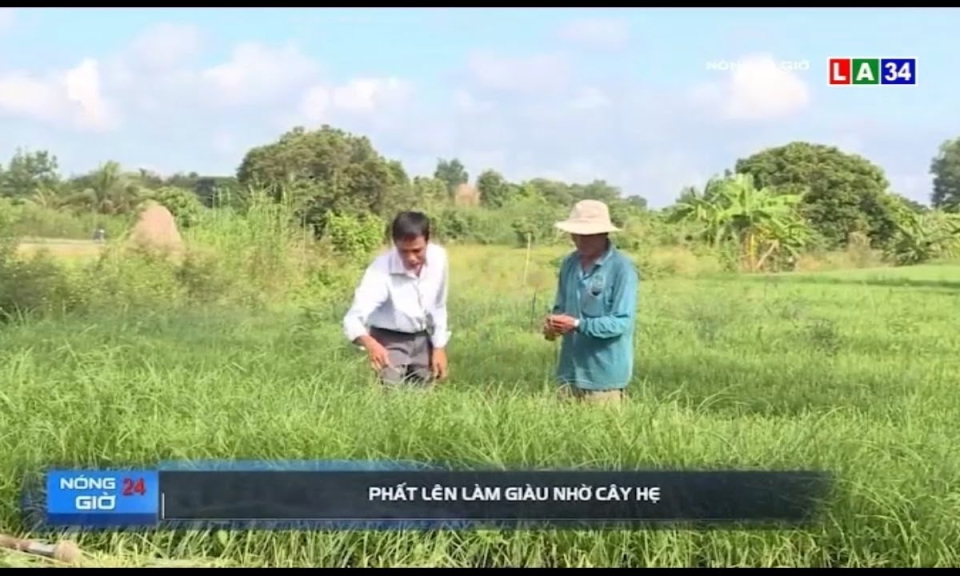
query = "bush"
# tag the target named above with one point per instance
(355, 236)
(183, 204)
(34, 286)
(29, 220)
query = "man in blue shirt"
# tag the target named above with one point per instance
(595, 309)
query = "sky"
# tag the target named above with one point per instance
(650, 100)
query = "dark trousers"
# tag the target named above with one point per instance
(409, 356)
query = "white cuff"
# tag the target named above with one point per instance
(440, 339)
(354, 330)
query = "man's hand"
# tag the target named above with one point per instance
(547, 329)
(438, 363)
(379, 357)
(561, 323)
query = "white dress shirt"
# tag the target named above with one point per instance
(393, 298)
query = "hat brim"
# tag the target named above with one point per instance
(585, 229)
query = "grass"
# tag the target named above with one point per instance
(63, 248)
(851, 372)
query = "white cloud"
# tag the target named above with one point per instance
(633, 137)
(369, 94)
(518, 74)
(6, 18)
(590, 98)
(605, 33)
(166, 45)
(756, 88)
(73, 96)
(23, 95)
(259, 74)
(155, 72)
(466, 102)
(83, 92)
(524, 116)
(358, 96)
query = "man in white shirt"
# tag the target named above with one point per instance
(399, 311)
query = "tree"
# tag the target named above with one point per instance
(494, 190)
(210, 190)
(553, 191)
(707, 210)
(29, 174)
(150, 179)
(687, 194)
(429, 191)
(842, 193)
(901, 202)
(107, 190)
(761, 222)
(924, 236)
(759, 217)
(945, 169)
(323, 171)
(452, 173)
(596, 190)
(638, 202)
(182, 204)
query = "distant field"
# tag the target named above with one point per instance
(854, 372)
(62, 247)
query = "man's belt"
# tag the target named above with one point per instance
(399, 333)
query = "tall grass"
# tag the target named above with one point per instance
(257, 257)
(849, 372)
(36, 221)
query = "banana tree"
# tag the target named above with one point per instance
(785, 236)
(708, 209)
(757, 220)
(923, 237)
(759, 216)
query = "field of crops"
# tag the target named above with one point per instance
(855, 372)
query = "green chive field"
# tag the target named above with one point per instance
(855, 372)
(796, 313)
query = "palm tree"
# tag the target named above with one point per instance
(46, 197)
(109, 191)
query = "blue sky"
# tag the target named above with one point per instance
(623, 95)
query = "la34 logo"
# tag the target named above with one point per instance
(872, 71)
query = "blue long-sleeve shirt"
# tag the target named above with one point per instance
(598, 354)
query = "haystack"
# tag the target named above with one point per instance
(156, 228)
(466, 195)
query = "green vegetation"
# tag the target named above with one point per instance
(779, 327)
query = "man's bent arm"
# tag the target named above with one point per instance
(624, 309)
(369, 295)
(441, 331)
(559, 305)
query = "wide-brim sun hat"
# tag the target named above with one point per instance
(588, 217)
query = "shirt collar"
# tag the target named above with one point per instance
(611, 249)
(396, 263)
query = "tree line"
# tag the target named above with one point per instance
(770, 207)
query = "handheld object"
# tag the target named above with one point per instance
(63, 551)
